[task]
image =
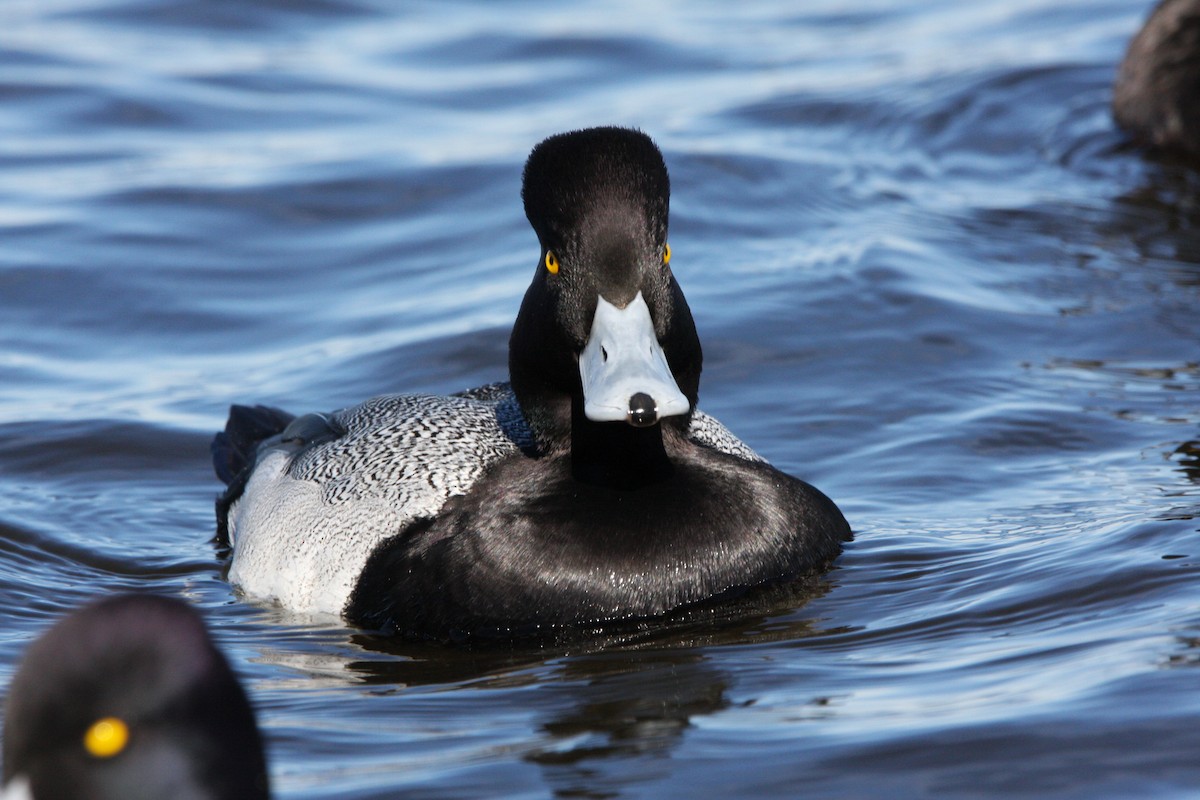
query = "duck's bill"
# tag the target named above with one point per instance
(624, 369)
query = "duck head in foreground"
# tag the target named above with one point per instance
(128, 699)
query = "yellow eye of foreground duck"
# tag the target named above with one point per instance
(106, 737)
(666, 253)
(551, 262)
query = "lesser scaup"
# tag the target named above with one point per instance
(587, 489)
(128, 698)
(1156, 97)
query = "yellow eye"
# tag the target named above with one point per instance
(666, 253)
(106, 737)
(551, 262)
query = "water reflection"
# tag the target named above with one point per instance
(1187, 456)
(327, 652)
(613, 707)
(1189, 654)
(595, 716)
(1161, 217)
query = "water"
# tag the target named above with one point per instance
(928, 275)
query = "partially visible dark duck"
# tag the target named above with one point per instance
(1157, 93)
(128, 699)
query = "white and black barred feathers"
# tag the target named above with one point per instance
(331, 488)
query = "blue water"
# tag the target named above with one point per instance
(929, 276)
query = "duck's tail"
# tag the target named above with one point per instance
(234, 449)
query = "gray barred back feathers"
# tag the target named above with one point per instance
(412, 450)
(419, 450)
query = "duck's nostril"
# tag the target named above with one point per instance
(643, 411)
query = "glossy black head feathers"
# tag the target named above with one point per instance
(595, 173)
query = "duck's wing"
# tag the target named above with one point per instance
(329, 489)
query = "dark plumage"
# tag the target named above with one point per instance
(179, 724)
(1157, 93)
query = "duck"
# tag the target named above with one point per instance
(127, 697)
(1156, 96)
(588, 489)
